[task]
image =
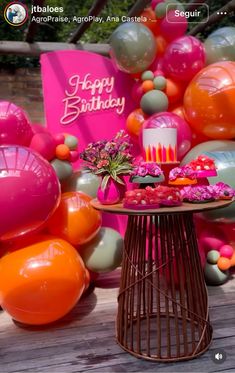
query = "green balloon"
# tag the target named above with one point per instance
(147, 75)
(223, 153)
(174, 4)
(82, 181)
(104, 252)
(213, 256)
(63, 169)
(159, 82)
(133, 47)
(71, 142)
(220, 45)
(160, 10)
(154, 102)
(214, 276)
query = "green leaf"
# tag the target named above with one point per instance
(105, 182)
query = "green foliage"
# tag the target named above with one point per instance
(97, 33)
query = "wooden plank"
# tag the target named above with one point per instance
(32, 28)
(20, 48)
(96, 8)
(84, 340)
(138, 8)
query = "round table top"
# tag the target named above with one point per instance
(184, 208)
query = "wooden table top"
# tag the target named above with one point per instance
(184, 208)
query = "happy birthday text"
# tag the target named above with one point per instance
(101, 98)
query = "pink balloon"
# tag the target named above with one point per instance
(59, 138)
(157, 64)
(226, 251)
(30, 191)
(38, 128)
(154, 3)
(44, 144)
(184, 58)
(137, 93)
(172, 26)
(14, 125)
(171, 120)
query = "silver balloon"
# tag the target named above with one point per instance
(104, 252)
(133, 47)
(208, 146)
(220, 45)
(82, 181)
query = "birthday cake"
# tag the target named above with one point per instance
(160, 145)
(184, 175)
(203, 166)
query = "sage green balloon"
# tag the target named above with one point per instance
(71, 142)
(161, 10)
(104, 252)
(213, 256)
(208, 146)
(224, 157)
(214, 276)
(147, 75)
(82, 181)
(154, 102)
(133, 47)
(63, 169)
(220, 45)
(160, 82)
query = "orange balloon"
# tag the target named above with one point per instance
(232, 260)
(42, 282)
(178, 110)
(174, 90)
(62, 152)
(147, 85)
(161, 45)
(149, 19)
(75, 220)
(134, 123)
(209, 101)
(223, 263)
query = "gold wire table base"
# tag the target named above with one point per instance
(162, 303)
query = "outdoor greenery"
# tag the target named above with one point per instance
(55, 32)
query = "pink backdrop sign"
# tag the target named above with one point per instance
(86, 96)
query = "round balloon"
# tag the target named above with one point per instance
(82, 181)
(41, 282)
(133, 47)
(75, 220)
(209, 101)
(154, 101)
(14, 125)
(104, 252)
(44, 144)
(184, 58)
(63, 169)
(30, 191)
(208, 146)
(134, 123)
(170, 120)
(173, 26)
(220, 45)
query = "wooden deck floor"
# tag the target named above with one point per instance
(84, 340)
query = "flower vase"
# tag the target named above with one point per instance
(112, 193)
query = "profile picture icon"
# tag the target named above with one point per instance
(16, 14)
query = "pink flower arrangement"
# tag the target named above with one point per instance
(147, 168)
(109, 158)
(182, 172)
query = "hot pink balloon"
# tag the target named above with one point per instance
(44, 144)
(171, 120)
(184, 58)
(172, 26)
(137, 92)
(38, 128)
(14, 125)
(30, 191)
(157, 64)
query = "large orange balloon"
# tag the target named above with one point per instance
(209, 101)
(42, 282)
(75, 220)
(134, 123)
